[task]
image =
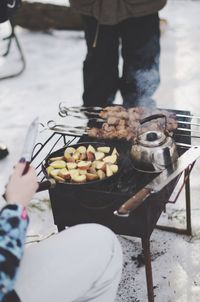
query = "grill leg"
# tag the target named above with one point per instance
(188, 206)
(148, 269)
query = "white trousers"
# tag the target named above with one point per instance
(82, 263)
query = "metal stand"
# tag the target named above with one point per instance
(148, 268)
(188, 229)
(11, 37)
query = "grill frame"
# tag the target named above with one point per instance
(69, 209)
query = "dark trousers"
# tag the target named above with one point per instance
(139, 39)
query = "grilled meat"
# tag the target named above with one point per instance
(124, 123)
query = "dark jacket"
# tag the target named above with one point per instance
(114, 11)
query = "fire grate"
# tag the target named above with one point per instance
(130, 179)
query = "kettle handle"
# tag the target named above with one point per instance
(154, 117)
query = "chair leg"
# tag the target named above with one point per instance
(22, 58)
(148, 268)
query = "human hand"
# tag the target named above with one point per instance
(21, 188)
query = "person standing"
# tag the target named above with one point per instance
(133, 24)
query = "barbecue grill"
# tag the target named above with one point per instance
(75, 206)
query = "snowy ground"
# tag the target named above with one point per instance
(53, 74)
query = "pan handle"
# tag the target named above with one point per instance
(46, 185)
(133, 202)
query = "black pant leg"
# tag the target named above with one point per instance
(100, 68)
(141, 54)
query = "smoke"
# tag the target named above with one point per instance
(141, 78)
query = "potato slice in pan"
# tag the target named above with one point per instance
(76, 156)
(100, 165)
(90, 155)
(49, 169)
(115, 152)
(109, 172)
(82, 172)
(83, 156)
(84, 165)
(91, 176)
(101, 174)
(114, 168)
(103, 149)
(90, 148)
(110, 159)
(64, 173)
(70, 150)
(71, 166)
(58, 164)
(81, 149)
(73, 172)
(54, 174)
(56, 158)
(99, 155)
(79, 178)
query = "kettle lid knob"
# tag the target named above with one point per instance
(151, 136)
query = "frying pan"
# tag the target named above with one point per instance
(97, 184)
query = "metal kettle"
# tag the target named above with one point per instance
(155, 149)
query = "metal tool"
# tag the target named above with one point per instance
(159, 182)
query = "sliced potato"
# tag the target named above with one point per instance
(101, 165)
(99, 155)
(49, 169)
(84, 165)
(81, 149)
(110, 159)
(90, 148)
(71, 166)
(83, 156)
(74, 172)
(90, 155)
(92, 170)
(91, 176)
(103, 149)
(54, 174)
(115, 152)
(76, 155)
(109, 172)
(58, 164)
(94, 163)
(79, 178)
(70, 150)
(71, 159)
(58, 178)
(64, 173)
(114, 168)
(101, 174)
(67, 156)
(56, 158)
(82, 172)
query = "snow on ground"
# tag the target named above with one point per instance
(53, 74)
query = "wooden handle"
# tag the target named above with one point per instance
(133, 202)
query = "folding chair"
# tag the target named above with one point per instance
(10, 38)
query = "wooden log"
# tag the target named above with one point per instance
(41, 16)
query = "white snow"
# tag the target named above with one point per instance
(54, 74)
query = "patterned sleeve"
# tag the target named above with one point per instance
(13, 226)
